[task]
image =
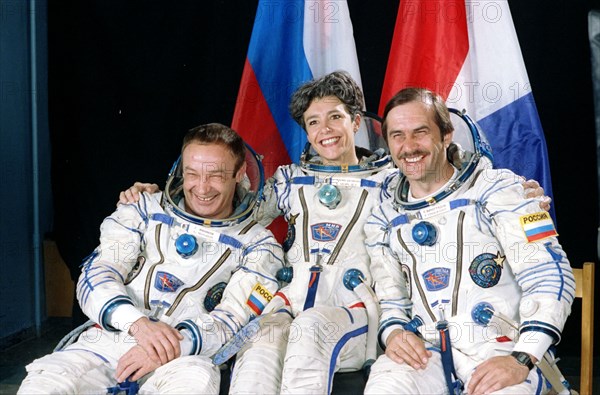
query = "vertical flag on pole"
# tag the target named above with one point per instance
(292, 41)
(469, 53)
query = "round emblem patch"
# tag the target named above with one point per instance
(485, 270)
(214, 296)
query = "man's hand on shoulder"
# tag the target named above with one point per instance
(132, 194)
(533, 189)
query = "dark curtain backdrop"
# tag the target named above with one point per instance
(128, 78)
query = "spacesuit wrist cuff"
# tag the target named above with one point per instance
(187, 344)
(190, 329)
(534, 343)
(123, 315)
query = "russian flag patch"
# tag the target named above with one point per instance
(259, 298)
(537, 226)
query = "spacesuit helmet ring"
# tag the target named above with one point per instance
(368, 141)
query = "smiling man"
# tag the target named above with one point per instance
(456, 256)
(176, 274)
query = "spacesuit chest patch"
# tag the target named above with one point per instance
(537, 226)
(166, 282)
(259, 298)
(486, 269)
(325, 231)
(436, 278)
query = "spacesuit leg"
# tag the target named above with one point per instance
(389, 377)
(86, 366)
(259, 363)
(192, 374)
(323, 340)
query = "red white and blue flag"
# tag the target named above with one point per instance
(469, 53)
(292, 42)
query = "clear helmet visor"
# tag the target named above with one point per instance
(247, 196)
(469, 143)
(469, 146)
(368, 141)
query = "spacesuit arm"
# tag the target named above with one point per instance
(248, 291)
(101, 288)
(541, 268)
(275, 195)
(386, 269)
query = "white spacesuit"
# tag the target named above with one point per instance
(206, 278)
(477, 254)
(323, 327)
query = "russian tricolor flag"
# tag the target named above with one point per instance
(469, 53)
(537, 226)
(292, 42)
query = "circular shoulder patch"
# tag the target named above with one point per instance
(485, 270)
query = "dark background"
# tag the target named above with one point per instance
(126, 79)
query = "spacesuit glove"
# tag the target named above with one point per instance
(276, 304)
(132, 194)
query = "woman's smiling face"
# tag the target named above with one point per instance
(330, 130)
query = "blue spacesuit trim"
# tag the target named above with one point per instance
(196, 336)
(388, 180)
(543, 327)
(164, 218)
(349, 169)
(338, 348)
(369, 183)
(108, 308)
(245, 269)
(538, 390)
(230, 241)
(263, 249)
(459, 203)
(113, 270)
(90, 280)
(557, 259)
(216, 317)
(91, 352)
(349, 314)
(400, 220)
(311, 180)
(87, 260)
(312, 287)
(305, 180)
